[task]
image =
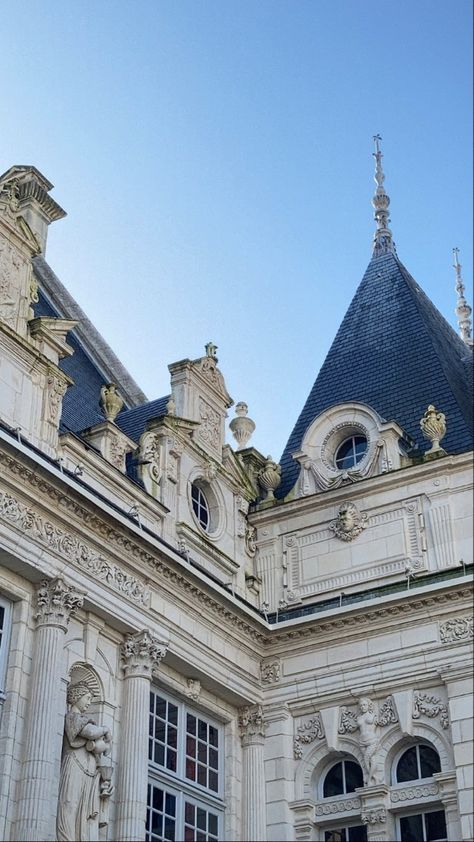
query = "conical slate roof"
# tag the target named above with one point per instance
(395, 352)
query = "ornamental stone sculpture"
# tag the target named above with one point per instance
(269, 478)
(349, 522)
(242, 427)
(110, 401)
(86, 771)
(433, 427)
(366, 721)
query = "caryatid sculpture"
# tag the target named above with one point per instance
(85, 771)
(366, 721)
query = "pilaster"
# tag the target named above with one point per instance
(458, 681)
(252, 734)
(374, 809)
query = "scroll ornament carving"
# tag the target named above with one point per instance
(71, 549)
(250, 542)
(110, 401)
(376, 816)
(349, 522)
(151, 454)
(142, 652)
(86, 771)
(412, 792)
(366, 721)
(307, 732)
(430, 706)
(251, 722)
(56, 389)
(433, 427)
(209, 431)
(332, 807)
(269, 478)
(270, 672)
(56, 603)
(459, 628)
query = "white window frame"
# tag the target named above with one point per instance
(4, 644)
(176, 783)
(419, 811)
(399, 756)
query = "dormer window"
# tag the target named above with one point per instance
(350, 452)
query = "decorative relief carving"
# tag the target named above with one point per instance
(71, 548)
(459, 628)
(251, 722)
(411, 793)
(430, 706)
(56, 603)
(10, 268)
(151, 449)
(307, 732)
(193, 689)
(55, 391)
(117, 451)
(328, 808)
(443, 539)
(209, 430)
(366, 720)
(270, 672)
(141, 652)
(376, 816)
(250, 540)
(349, 522)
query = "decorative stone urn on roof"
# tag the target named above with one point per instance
(433, 427)
(241, 426)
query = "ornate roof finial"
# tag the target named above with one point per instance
(383, 241)
(211, 349)
(463, 311)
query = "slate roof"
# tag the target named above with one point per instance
(133, 421)
(395, 352)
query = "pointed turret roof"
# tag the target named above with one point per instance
(393, 351)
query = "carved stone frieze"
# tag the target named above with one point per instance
(349, 522)
(459, 628)
(270, 672)
(141, 652)
(56, 603)
(71, 548)
(430, 706)
(410, 793)
(251, 723)
(330, 808)
(310, 730)
(375, 816)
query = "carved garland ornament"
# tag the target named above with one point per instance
(459, 628)
(431, 706)
(71, 548)
(307, 732)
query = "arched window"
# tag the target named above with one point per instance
(342, 778)
(418, 761)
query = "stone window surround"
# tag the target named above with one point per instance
(216, 503)
(177, 783)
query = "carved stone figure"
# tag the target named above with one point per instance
(366, 721)
(349, 522)
(85, 771)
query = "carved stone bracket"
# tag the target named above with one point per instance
(376, 816)
(430, 706)
(141, 652)
(251, 723)
(270, 672)
(56, 603)
(459, 628)
(307, 732)
(193, 689)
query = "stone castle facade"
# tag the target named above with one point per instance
(199, 643)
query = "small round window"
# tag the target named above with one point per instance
(350, 452)
(200, 506)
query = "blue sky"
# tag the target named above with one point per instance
(215, 162)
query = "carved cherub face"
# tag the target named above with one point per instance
(347, 516)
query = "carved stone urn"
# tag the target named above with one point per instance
(110, 401)
(241, 426)
(269, 478)
(433, 427)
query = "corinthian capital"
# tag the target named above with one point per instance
(56, 603)
(251, 723)
(140, 653)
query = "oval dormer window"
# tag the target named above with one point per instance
(200, 506)
(350, 452)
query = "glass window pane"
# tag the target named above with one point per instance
(170, 826)
(171, 760)
(407, 767)
(201, 818)
(160, 707)
(188, 834)
(202, 730)
(202, 775)
(358, 833)
(435, 826)
(202, 752)
(191, 769)
(213, 781)
(191, 746)
(429, 761)
(354, 777)
(213, 735)
(335, 835)
(160, 730)
(172, 714)
(333, 782)
(170, 804)
(213, 758)
(157, 799)
(213, 824)
(159, 754)
(172, 736)
(189, 812)
(190, 724)
(411, 829)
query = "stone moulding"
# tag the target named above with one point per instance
(332, 807)
(411, 792)
(71, 549)
(459, 628)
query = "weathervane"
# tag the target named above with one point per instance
(463, 311)
(383, 241)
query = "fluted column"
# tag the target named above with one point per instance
(140, 653)
(252, 733)
(55, 603)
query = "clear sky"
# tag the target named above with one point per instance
(214, 158)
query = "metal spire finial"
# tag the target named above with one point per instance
(383, 241)
(463, 311)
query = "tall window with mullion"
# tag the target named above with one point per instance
(185, 752)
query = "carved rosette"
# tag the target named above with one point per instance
(110, 401)
(141, 653)
(269, 478)
(433, 427)
(251, 724)
(56, 603)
